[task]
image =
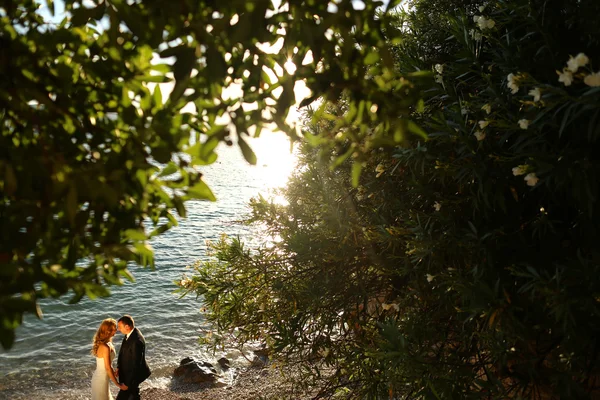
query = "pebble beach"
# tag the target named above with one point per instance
(250, 383)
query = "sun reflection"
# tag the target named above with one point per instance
(275, 162)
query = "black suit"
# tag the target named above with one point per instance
(132, 365)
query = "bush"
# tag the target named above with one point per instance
(464, 266)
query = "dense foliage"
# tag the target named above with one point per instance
(465, 266)
(95, 159)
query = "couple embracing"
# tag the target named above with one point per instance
(132, 368)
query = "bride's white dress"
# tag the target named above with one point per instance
(100, 379)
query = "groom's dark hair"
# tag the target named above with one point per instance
(127, 320)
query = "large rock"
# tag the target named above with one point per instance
(224, 363)
(191, 371)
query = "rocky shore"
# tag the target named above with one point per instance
(199, 380)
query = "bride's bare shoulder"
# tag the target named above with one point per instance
(103, 350)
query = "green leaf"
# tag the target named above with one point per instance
(340, 159)
(179, 206)
(371, 58)
(7, 337)
(135, 234)
(207, 149)
(160, 230)
(162, 68)
(186, 59)
(178, 91)
(414, 128)
(125, 99)
(153, 78)
(161, 154)
(146, 102)
(50, 4)
(247, 151)
(157, 96)
(356, 170)
(420, 106)
(386, 56)
(201, 191)
(420, 74)
(82, 15)
(125, 272)
(144, 254)
(170, 169)
(210, 159)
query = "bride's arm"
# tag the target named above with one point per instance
(104, 352)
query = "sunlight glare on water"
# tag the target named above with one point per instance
(275, 159)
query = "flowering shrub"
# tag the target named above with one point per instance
(501, 203)
(464, 266)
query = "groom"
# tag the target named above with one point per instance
(132, 368)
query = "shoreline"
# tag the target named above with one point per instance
(250, 382)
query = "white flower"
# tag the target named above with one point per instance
(439, 68)
(565, 77)
(475, 34)
(523, 123)
(487, 108)
(438, 79)
(536, 94)
(483, 22)
(464, 111)
(481, 8)
(512, 83)
(430, 277)
(490, 23)
(479, 135)
(437, 206)
(380, 169)
(520, 170)
(483, 124)
(185, 282)
(592, 79)
(531, 179)
(578, 61)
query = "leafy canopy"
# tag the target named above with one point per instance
(92, 150)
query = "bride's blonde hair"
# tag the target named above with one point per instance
(103, 334)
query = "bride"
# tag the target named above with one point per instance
(104, 351)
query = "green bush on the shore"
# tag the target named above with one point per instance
(462, 266)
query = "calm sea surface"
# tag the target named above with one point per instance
(51, 359)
